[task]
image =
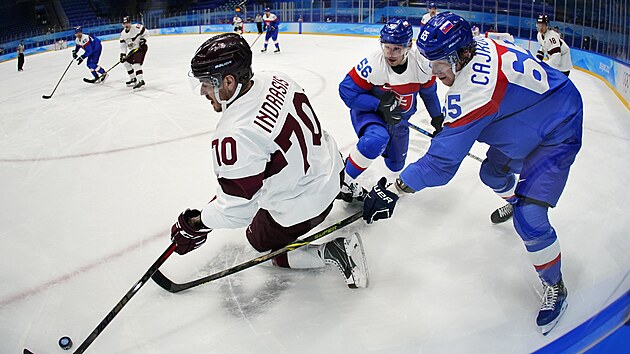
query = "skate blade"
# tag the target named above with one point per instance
(549, 326)
(360, 274)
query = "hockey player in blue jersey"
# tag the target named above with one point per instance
(381, 92)
(531, 117)
(272, 24)
(92, 52)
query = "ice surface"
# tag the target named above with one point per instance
(92, 179)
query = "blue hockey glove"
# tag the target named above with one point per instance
(379, 203)
(389, 108)
(80, 60)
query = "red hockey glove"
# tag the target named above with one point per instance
(189, 232)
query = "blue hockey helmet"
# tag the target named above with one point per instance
(267, 9)
(443, 35)
(397, 31)
(432, 5)
(78, 29)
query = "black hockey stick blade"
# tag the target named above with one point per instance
(160, 279)
(46, 97)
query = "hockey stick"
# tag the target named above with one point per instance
(115, 65)
(255, 40)
(134, 289)
(58, 82)
(418, 129)
(172, 287)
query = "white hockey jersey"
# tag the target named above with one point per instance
(270, 152)
(373, 73)
(556, 49)
(134, 38)
(237, 21)
(425, 18)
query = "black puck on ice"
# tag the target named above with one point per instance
(65, 343)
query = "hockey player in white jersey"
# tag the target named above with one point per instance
(133, 48)
(426, 17)
(552, 46)
(237, 22)
(278, 170)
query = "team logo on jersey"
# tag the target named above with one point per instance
(446, 27)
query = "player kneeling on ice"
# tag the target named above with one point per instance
(278, 171)
(133, 49)
(381, 92)
(92, 52)
(529, 114)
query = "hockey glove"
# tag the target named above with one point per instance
(436, 123)
(74, 54)
(189, 232)
(123, 57)
(540, 55)
(389, 108)
(379, 203)
(80, 60)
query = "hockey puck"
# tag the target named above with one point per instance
(65, 343)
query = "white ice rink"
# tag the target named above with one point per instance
(92, 179)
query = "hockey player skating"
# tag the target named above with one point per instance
(553, 47)
(237, 22)
(529, 114)
(271, 24)
(133, 48)
(381, 93)
(278, 171)
(91, 51)
(429, 15)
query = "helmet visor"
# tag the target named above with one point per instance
(203, 85)
(440, 67)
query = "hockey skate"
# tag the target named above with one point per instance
(131, 82)
(553, 305)
(103, 77)
(502, 214)
(348, 255)
(263, 50)
(277, 50)
(139, 85)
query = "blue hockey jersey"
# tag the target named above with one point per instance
(88, 44)
(506, 98)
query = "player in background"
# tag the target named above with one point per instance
(381, 93)
(278, 171)
(237, 22)
(133, 48)
(531, 117)
(426, 17)
(553, 47)
(271, 24)
(92, 52)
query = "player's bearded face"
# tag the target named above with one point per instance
(208, 90)
(394, 53)
(443, 69)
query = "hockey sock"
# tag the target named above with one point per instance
(277, 45)
(101, 71)
(138, 68)
(130, 70)
(532, 224)
(356, 163)
(94, 73)
(507, 192)
(265, 46)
